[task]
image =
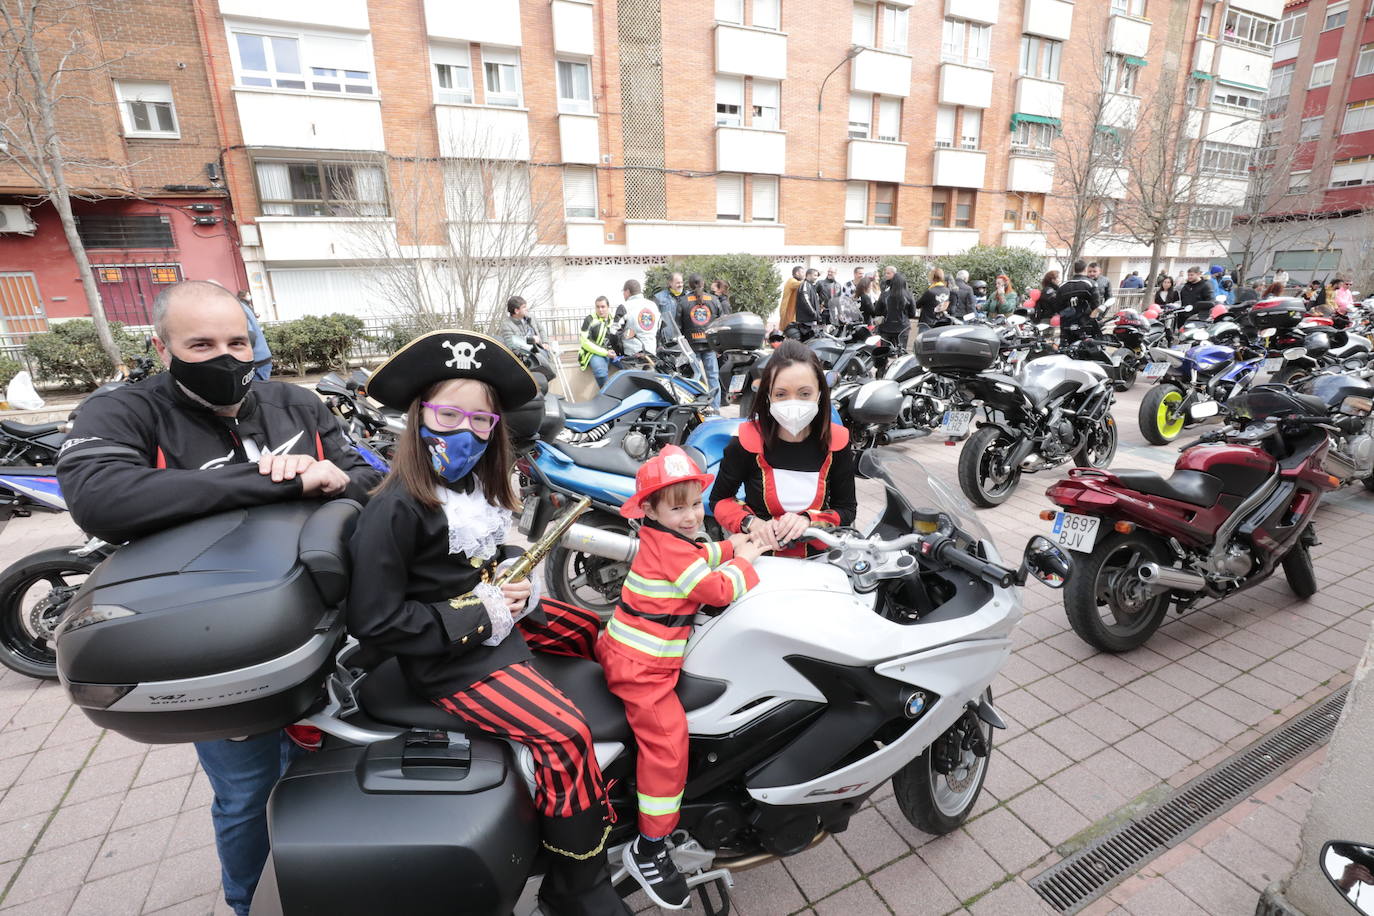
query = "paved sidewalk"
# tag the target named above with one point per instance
(93, 823)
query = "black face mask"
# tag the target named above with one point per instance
(222, 381)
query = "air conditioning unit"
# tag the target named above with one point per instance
(15, 218)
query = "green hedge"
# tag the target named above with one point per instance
(9, 368)
(313, 341)
(70, 353)
(1023, 266)
(755, 285)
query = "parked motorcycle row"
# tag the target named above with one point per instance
(870, 662)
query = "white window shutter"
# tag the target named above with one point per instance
(766, 14)
(730, 90)
(338, 53)
(865, 19)
(889, 119)
(765, 203)
(729, 196)
(137, 91)
(856, 202)
(944, 125)
(730, 10)
(579, 192)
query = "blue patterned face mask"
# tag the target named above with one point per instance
(453, 454)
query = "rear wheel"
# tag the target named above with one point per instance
(1108, 606)
(1129, 372)
(983, 475)
(937, 790)
(1293, 376)
(1161, 414)
(1100, 446)
(586, 580)
(33, 597)
(1297, 569)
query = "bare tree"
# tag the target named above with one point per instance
(45, 65)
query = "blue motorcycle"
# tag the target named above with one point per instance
(1193, 384)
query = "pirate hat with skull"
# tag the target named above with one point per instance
(442, 355)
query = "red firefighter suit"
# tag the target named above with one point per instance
(642, 648)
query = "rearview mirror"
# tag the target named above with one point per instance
(1046, 561)
(1350, 868)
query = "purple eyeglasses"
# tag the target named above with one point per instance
(448, 417)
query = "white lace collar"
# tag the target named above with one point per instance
(475, 527)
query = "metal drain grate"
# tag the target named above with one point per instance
(1072, 884)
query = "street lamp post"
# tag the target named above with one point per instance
(853, 52)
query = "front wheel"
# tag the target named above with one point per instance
(1099, 446)
(983, 474)
(937, 790)
(586, 580)
(34, 593)
(1161, 415)
(1107, 605)
(1297, 569)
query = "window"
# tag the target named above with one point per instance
(860, 115)
(973, 128)
(320, 63)
(729, 101)
(765, 103)
(1033, 137)
(501, 68)
(1226, 159)
(939, 209)
(1106, 214)
(894, 28)
(1358, 116)
(1207, 19)
(1109, 145)
(452, 74)
(1121, 74)
(1040, 57)
(966, 42)
(1129, 7)
(889, 119)
(1290, 26)
(1026, 214)
(865, 33)
(856, 202)
(730, 11)
(574, 87)
(579, 192)
(1335, 16)
(1249, 30)
(1281, 81)
(944, 125)
(1210, 219)
(1298, 182)
(1322, 73)
(884, 204)
(730, 197)
(311, 187)
(1330, 259)
(963, 209)
(767, 14)
(765, 199)
(1194, 92)
(1311, 128)
(146, 109)
(465, 193)
(134, 231)
(1364, 64)
(1244, 100)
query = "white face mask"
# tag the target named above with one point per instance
(794, 416)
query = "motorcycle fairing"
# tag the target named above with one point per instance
(42, 489)
(640, 399)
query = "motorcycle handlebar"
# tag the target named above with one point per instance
(937, 546)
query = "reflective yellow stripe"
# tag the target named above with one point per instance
(713, 553)
(662, 588)
(647, 643)
(691, 577)
(653, 805)
(737, 580)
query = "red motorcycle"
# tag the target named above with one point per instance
(1239, 504)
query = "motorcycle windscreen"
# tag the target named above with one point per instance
(908, 480)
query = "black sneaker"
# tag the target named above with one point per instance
(656, 872)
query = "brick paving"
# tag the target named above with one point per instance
(93, 823)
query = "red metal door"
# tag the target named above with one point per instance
(127, 291)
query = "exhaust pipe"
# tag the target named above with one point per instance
(1166, 578)
(898, 435)
(601, 543)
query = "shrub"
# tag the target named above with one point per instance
(9, 368)
(314, 341)
(755, 285)
(1023, 266)
(70, 353)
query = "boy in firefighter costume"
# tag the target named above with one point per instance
(673, 575)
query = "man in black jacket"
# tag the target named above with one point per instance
(1196, 296)
(961, 295)
(201, 438)
(1079, 299)
(828, 288)
(808, 311)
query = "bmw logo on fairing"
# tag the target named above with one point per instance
(915, 705)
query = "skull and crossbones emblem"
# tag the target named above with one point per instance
(464, 355)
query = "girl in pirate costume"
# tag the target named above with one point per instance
(792, 461)
(425, 550)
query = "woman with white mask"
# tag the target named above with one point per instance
(793, 462)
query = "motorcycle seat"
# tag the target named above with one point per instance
(608, 458)
(1193, 487)
(27, 431)
(590, 410)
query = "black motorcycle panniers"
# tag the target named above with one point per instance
(219, 628)
(877, 402)
(1278, 313)
(737, 331)
(394, 829)
(542, 417)
(965, 348)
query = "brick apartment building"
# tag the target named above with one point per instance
(1320, 134)
(146, 126)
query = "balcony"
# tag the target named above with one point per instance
(964, 85)
(578, 138)
(1243, 66)
(586, 236)
(1225, 127)
(482, 132)
(951, 241)
(747, 51)
(653, 237)
(573, 31)
(1030, 174)
(1271, 9)
(751, 149)
(288, 238)
(877, 160)
(959, 168)
(1025, 238)
(341, 14)
(973, 10)
(1110, 182)
(1204, 55)
(1039, 97)
(1128, 35)
(872, 240)
(1049, 18)
(309, 120)
(1192, 127)
(1220, 191)
(1120, 110)
(882, 72)
(497, 22)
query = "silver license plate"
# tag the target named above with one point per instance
(527, 514)
(1155, 370)
(1273, 364)
(1076, 532)
(955, 423)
